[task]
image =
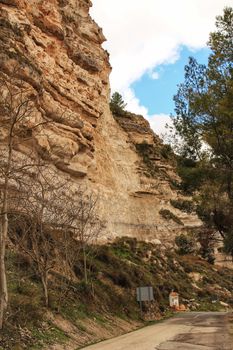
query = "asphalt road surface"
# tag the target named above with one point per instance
(187, 331)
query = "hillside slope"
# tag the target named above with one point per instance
(80, 314)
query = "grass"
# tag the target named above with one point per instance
(74, 311)
(46, 337)
(115, 271)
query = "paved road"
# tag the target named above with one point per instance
(188, 331)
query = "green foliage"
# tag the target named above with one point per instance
(145, 150)
(192, 174)
(204, 102)
(186, 206)
(228, 244)
(215, 208)
(206, 239)
(117, 105)
(148, 153)
(185, 244)
(168, 215)
(167, 152)
(204, 115)
(50, 336)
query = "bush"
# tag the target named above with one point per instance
(185, 244)
(167, 152)
(183, 205)
(168, 215)
(121, 278)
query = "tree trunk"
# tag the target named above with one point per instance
(3, 239)
(3, 282)
(44, 279)
(85, 265)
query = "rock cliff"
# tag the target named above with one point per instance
(54, 47)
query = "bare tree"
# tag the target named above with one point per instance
(41, 220)
(44, 206)
(86, 223)
(17, 108)
(65, 281)
(53, 223)
(19, 122)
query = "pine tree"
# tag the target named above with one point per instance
(117, 105)
(204, 120)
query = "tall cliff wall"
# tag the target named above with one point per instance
(55, 48)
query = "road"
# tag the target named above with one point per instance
(187, 331)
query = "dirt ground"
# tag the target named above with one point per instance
(90, 331)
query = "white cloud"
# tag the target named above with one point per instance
(158, 123)
(154, 75)
(133, 103)
(144, 34)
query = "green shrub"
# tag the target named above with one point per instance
(167, 152)
(25, 310)
(121, 278)
(183, 205)
(168, 215)
(191, 174)
(185, 244)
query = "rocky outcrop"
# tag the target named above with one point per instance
(54, 47)
(138, 183)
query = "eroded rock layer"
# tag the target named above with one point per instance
(55, 48)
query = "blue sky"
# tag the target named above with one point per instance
(156, 88)
(149, 43)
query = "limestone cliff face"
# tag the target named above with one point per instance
(55, 48)
(135, 179)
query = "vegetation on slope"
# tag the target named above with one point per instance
(115, 271)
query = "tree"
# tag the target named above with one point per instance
(32, 200)
(17, 112)
(117, 105)
(203, 104)
(40, 225)
(204, 123)
(207, 240)
(86, 223)
(53, 222)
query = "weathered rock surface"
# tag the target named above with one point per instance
(55, 48)
(138, 180)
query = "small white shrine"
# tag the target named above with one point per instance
(174, 300)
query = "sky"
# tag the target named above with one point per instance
(149, 42)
